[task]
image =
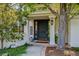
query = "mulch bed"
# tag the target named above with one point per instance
(77, 53)
(53, 52)
(50, 51)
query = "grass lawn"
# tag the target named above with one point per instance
(14, 51)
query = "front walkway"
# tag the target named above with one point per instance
(35, 50)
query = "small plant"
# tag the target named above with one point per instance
(56, 38)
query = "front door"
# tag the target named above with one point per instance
(42, 30)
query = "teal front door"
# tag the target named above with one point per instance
(42, 30)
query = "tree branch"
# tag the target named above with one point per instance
(75, 14)
(52, 11)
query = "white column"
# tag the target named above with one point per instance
(52, 31)
(31, 30)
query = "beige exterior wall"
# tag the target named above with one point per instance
(74, 32)
(7, 44)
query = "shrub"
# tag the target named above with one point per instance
(75, 48)
(56, 38)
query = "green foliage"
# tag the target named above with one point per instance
(12, 19)
(8, 18)
(73, 10)
(23, 11)
(56, 38)
(14, 51)
(76, 49)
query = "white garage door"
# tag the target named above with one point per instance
(74, 33)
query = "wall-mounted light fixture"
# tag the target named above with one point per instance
(51, 22)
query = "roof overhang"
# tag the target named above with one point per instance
(40, 15)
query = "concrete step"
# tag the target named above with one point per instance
(43, 44)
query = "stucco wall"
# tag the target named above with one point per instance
(74, 32)
(7, 44)
(14, 44)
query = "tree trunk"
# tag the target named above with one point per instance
(62, 26)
